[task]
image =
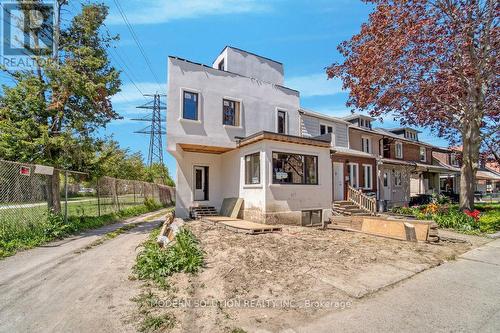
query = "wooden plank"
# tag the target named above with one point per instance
(393, 228)
(248, 226)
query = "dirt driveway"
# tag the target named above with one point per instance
(273, 282)
(69, 286)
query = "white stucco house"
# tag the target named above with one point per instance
(236, 131)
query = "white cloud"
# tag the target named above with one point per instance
(315, 85)
(161, 11)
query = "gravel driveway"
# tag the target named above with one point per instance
(67, 287)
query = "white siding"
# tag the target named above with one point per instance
(341, 139)
(310, 128)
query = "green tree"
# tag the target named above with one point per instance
(52, 113)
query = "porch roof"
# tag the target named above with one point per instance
(353, 152)
(264, 135)
(484, 174)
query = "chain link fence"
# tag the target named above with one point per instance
(24, 193)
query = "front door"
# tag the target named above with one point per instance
(386, 185)
(200, 183)
(338, 181)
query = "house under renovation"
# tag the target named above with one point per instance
(235, 130)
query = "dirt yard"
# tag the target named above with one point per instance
(274, 281)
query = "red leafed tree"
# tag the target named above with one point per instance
(432, 63)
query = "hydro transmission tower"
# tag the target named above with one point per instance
(155, 129)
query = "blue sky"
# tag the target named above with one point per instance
(303, 35)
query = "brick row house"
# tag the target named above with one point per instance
(235, 130)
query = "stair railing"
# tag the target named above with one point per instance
(362, 200)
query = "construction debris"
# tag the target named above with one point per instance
(402, 229)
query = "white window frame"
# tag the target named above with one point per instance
(398, 156)
(424, 150)
(396, 172)
(326, 128)
(181, 105)
(369, 139)
(453, 159)
(365, 167)
(286, 120)
(351, 166)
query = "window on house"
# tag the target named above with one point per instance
(385, 180)
(190, 105)
(399, 150)
(322, 129)
(281, 122)
(311, 217)
(423, 154)
(353, 175)
(230, 112)
(368, 173)
(453, 159)
(295, 169)
(330, 129)
(366, 145)
(397, 178)
(252, 169)
(221, 65)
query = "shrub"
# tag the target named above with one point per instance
(156, 263)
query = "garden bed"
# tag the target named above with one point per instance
(484, 219)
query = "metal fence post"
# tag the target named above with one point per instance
(98, 198)
(65, 196)
(134, 191)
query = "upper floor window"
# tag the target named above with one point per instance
(252, 169)
(281, 126)
(221, 65)
(365, 123)
(295, 169)
(323, 129)
(366, 145)
(399, 150)
(423, 154)
(230, 112)
(453, 159)
(190, 105)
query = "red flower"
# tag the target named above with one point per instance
(474, 214)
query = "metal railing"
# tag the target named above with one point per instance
(362, 200)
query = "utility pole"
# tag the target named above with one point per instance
(155, 129)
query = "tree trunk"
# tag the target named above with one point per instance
(54, 192)
(470, 157)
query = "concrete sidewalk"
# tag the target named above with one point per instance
(459, 296)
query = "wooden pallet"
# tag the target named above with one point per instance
(248, 227)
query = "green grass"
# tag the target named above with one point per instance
(19, 234)
(156, 264)
(152, 323)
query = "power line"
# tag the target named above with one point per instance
(136, 39)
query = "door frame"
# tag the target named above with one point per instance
(388, 188)
(334, 183)
(204, 180)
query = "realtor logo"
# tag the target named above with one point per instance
(27, 30)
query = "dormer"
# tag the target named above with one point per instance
(360, 121)
(244, 63)
(406, 132)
